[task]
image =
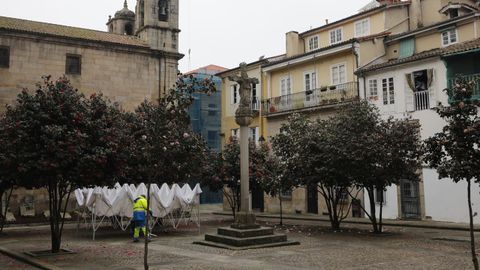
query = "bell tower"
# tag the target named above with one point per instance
(157, 24)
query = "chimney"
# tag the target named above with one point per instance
(293, 44)
(416, 15)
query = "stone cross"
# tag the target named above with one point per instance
(243, 116)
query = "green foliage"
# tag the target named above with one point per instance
(60, 140)
(352, 150)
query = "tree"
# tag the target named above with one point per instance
(7, 171)
(225, 171)
(454, 151)
(307, 148)
(163, 146)
(60, 140)
(377, 152)
(274, 178)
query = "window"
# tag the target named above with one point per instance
(310, 84)
(388, 91)
(4, 57)
(212, 137)
(212, 109)
(372, 88)
(407, 47)
(128, 29)
(285, 86)
(362, 28)
(310, 81)
(254, 93)
(380, 196)
(163, 10)
(449, 37)
(235, 134)
(73, 65)
(287, 194)
(453, 13)
(254, 134)
(336, 36)
(339, 74)
(234, 94)
(313, 43)
(420, 79)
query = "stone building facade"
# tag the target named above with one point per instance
(136, 60)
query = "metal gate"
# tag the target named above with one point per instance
(410, 197)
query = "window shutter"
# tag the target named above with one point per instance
(431, 90)
(407, 47)
(257, 130)
(409, 102)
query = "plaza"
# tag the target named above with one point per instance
(354, 247)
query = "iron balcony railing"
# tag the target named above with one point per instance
(470, 77)
(320, 97)
(422, 100)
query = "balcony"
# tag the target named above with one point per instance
(422, 100)
(308, 100)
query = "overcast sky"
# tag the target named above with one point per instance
(220, 32)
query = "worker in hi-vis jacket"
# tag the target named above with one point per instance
(140, 208)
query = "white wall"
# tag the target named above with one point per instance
(390, 208)
(444, 200)
(447, 201)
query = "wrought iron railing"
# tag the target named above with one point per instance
(324, 96)
(422, 100)
(470, 77)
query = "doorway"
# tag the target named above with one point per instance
(410, 198)
(312, 199)
(257, 198)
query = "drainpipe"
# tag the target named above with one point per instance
(356, 49)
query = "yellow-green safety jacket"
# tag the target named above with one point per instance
(140, 204)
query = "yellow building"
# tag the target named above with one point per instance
(317, 74)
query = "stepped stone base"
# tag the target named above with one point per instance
(236, 238)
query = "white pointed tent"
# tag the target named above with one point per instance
(168, 205)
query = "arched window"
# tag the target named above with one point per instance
(128, 29)
(163, 10)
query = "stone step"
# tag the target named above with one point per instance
(228, 231)
(249, 241)
(270, 245)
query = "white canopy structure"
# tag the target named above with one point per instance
(168, 205)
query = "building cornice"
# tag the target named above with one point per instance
(309, 56)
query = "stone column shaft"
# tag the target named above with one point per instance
(244, 170)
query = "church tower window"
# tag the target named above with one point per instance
(163, 10)
(128, 29)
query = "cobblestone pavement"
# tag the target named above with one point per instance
(352, 248)
(9, 263)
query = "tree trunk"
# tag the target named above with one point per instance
(147, 230)
(281, 210)
(7, 204)
(472, 234)
(380, 221)
(54, 201)
(373, 215)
